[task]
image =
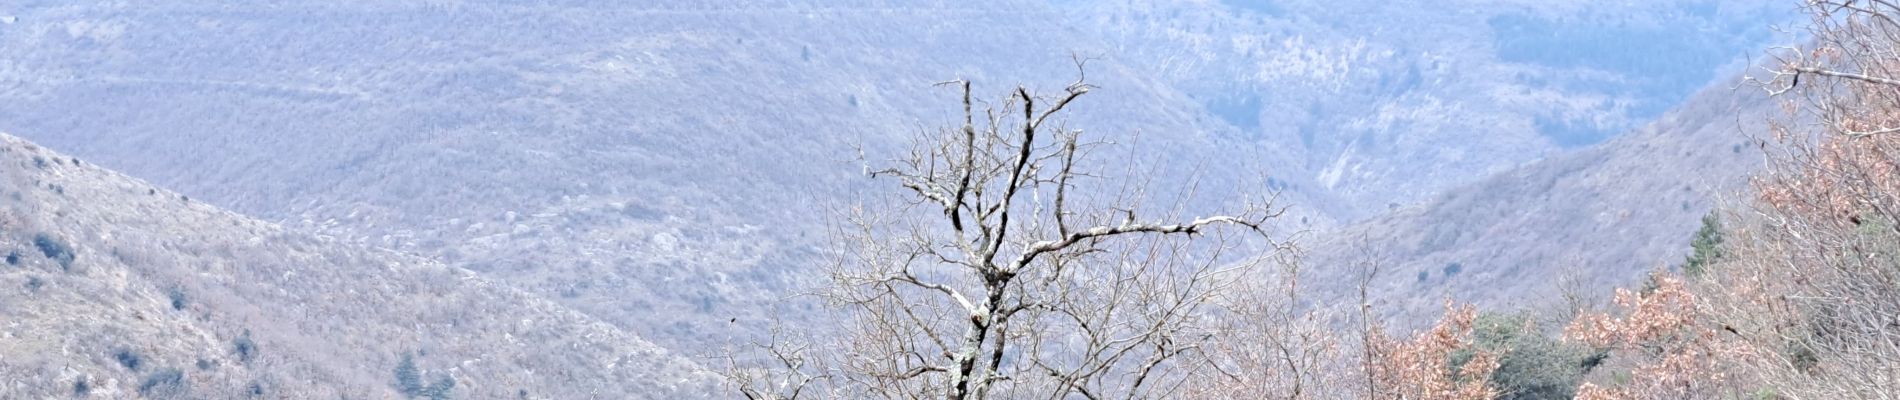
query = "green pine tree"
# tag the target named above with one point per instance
(408, 379)
(1533, 364)
(1707, 246)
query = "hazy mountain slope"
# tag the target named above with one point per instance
(666, 166)
(112, 288)
(1603, 215)
(1394, 101)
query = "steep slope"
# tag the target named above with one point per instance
(667, 166)
(1394, 101)
(114, 289)
(1593, 219)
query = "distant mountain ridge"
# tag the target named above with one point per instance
(1593, 218)
(113, 288)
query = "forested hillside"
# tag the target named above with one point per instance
(1581, 220)
(115, 288)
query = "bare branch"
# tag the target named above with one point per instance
(1847, 75)
(1039, 248)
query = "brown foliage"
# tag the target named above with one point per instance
(1420, 367)
(1673, 350)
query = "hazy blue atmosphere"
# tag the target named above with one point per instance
(576, 199)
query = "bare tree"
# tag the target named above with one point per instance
(1006, 269)
(792, 368)
(1371, 327)
(1273, 343)
(1001, 272)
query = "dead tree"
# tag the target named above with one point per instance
(1000, 272)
